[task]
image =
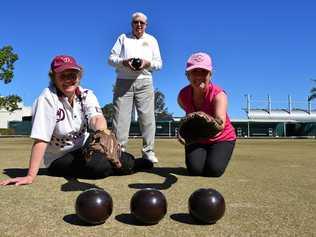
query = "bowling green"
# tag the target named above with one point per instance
(269, 188)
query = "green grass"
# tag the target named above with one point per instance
(269, 188)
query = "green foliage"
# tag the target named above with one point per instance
(108, 111)
(7, 60)
(313, 93)
(6, 131)
(10, 102)
(161, 111)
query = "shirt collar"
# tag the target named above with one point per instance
(134, 37)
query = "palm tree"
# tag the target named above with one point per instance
(313, 92)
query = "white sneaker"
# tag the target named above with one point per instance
(150, 155)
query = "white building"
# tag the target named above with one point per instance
(17, 115)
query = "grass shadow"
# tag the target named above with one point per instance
(72, 183)
(186, 218)
(166, 172)
(20, 172)
(73, 219)
(129, 219)
(75, 185)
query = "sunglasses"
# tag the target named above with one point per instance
(139, 22)
(70, 76)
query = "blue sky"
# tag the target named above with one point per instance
(258, 47)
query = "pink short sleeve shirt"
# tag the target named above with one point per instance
(185, 95)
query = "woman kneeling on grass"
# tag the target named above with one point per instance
(208, 157)
(62, 115)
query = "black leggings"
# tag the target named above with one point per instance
(208, 159)
(73, 164)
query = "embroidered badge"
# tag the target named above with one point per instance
(60, 115)
(66, 59)
(198, 58)
(145, 44)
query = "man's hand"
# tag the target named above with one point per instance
(145, 64)
(128, 63)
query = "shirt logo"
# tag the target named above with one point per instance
(145, 44)
(60, 115)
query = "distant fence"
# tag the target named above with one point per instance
(243, 129)
(274, 129)
(163, 129)
(21, 127)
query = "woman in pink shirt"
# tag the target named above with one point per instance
(211, 156)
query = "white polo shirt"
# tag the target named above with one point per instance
(128, 46)
(64, 127)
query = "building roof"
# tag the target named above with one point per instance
(294, 115)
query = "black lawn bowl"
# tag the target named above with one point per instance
(94, 206)
(136, 63)
(206, 206)
(148, 206)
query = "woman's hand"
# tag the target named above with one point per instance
(18, 181)
(37, 154)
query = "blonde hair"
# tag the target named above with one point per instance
(139, 14)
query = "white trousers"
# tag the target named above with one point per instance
(141, 93)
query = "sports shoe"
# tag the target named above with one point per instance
(150, 155)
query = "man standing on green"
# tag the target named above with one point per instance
(135, 56)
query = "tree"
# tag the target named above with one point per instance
(108, 111)
(10, 102)
(7, 60)
(313, 92)
(161, 111)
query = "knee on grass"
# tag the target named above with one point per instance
(214, 171)
(195, 171)
(206, 171)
